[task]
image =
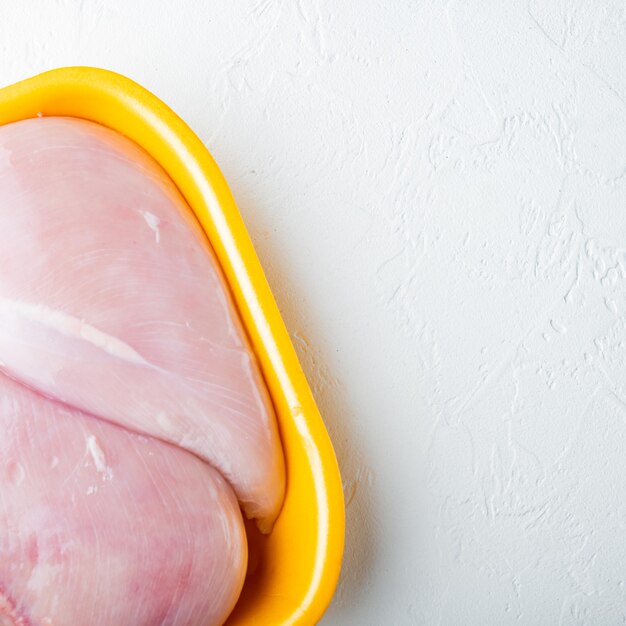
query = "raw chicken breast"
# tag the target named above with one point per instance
(134, 421)
(103, 527)
(111, 302)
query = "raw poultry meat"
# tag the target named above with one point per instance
(110, 301)
(124, 365)
(102, 527)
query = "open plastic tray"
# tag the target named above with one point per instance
(300, 560)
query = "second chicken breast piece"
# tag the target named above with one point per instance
(103, 527)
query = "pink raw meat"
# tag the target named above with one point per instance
(133, 416)
(103, 527)
(111, 302)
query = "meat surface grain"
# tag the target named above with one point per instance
(133, 415)
(102, 527)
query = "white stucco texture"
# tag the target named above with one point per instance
(437, 191)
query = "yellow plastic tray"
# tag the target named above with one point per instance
(299, 561)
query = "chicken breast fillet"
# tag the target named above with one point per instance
(134, 421)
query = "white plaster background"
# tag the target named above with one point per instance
(437, 191)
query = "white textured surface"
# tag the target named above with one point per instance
(437, 191)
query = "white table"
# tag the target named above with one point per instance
(437, 191)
